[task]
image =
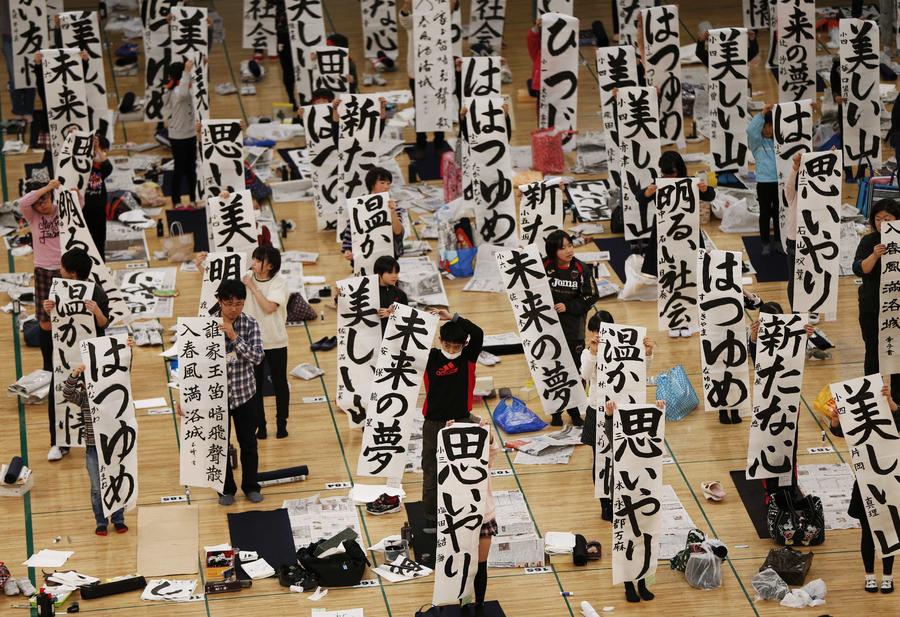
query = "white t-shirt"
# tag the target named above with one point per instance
(271, 325)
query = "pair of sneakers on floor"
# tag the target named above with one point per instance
(887, 584)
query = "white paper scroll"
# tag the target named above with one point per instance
(66, 95)
(330, 68)
(860, 81)
(638, 447)
(622, 364)
(871, 434)
(756, 14)
(358, 338)
(71, 322)
(29, 35)
(780, 356)
(796, 52)
(360, 127)
(232, 223)
(628, 14)
(662, 63)
(379, 20)
(463, 452)
(565, 7)
(558, 105)
(616, 69)
(372, 234)
(157, 54)
(817, 262)
(307, 31)
(81, 30)
(217, 268)
(222, 152)
(490, 164)
(590, 198)
(203, 394)
(793, 129)
(678, 236)
(723, 332)
(399, 372)
(190, 41)
(540, 211)
(456, 33)
(729, 98)
(889, 300)
(259, 26)
(76, 157)
(479, 76)
(552, 366)
(486, 20)
(640, 145)
(434, 70)
(772, 56)
(321, 143)
(107, 377)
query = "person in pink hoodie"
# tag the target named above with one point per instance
(533, 40)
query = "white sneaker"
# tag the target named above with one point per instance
(675, 333)
(379, 80)
(367, 80)
(54, 454)
(686, 332)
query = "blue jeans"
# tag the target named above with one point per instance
(93, 469)
(23, 99)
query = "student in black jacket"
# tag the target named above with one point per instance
(388, 270)
(95, 194)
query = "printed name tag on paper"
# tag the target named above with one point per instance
(336, 485)
(314, 399)
(820, 450)
(538, 570)
(501, 472)
(173, 498)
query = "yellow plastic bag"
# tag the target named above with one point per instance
(820, 405)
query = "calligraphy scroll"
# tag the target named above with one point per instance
(871, 434)
(540, 211)
(107, 379)
(157, 54)
(639, 143)
(662, 63)
(456, 32)
(232, 223)
(324, 160)
(81, 30)
(463, 452)
(399, 372)
(71, 322)
(360, 126)
(796, 50)
(616, 69)
(628, 14)
(678, 235)
(729, 98)
(379, 20)
(860, 82)
(756, 14)
(549, 360)
(76, 157)
(723, 332)
(638, 441)
(434, 70)
(330, 68)
(889, 300)
(486, 20)
(564, 7)
(203, 394)
(190, 41)
(817, 262)
(372, 234)
(259, 26)
(590, 199)
(358, 338)
(29, 35)
(307, 31)
(780, 355)
(772, 57)
(65, 95)
(222, 153)
(479, 76)
(793, 130)
(558, 106)
(217, 268)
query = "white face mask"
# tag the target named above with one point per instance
(451, 356)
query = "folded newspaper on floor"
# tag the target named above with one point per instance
(314, 519)
(676, 523)
(516, 544)
(833, 484)
(31, 383)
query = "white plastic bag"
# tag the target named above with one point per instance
(737, 218)
(703, 571)
(636, 287)
(769, 586)
(816, 590)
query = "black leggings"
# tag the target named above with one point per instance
(867, 548)
(184, 153)
(277, 361)
(287, 72)
(868, 325)
(46, 338)
(767, 195)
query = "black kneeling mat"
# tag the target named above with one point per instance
(268, 532)
(753, 494)
(492, 608)
(424, 545)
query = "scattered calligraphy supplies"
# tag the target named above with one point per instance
(628, 14)
(76, 156)
(222, 153)
(540, 211)
(462, 463)
(358, 336)
(232, 223)
(780, 355)
(324, 160)
(371, 232)
(796, 50)
(860, 79)
(678, 229)
(616, 69)
(723, 332)
(217, 268)
(81, 30)
(259, 26)
(379, 20)
(434, 70)
(638, 442)
(401, 569)
(793, 131)
(190, 41)
(756, 14)
(157, 54)
(558, 105)
(729, 98)
(662, 61)
(307, 31)
(486, 20)
(639, 142)
(399, 371)
(872, 437)
(889, 300)
(203, 394)
(817, 262)
(71, 323)
(552, 366)
(29, 35)
(590, 198)
(66, 95)
(107, 377)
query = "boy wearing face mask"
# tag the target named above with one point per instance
(449, 383)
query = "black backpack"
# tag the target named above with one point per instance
(342, 570)
(796, 522)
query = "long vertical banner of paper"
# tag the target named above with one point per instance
(379, 20)
(590, 199)
(639, 143)
(889, 300)
(486, 20)
(662, 51)
(307, 31)
(817, 262)
(324, 160)
(540, 211)
(217, 268)
(558, 107)
(107, 380)
(399, 372)
(678, 235)
(780, 356)
(552, 366)
(628, 14)
(756, 14)
(772, 56)
(796, 50)
(222, 153)
(190, 41)
(370, 228)
(490, 163)
(463, 452)
(75, 160)
(479, 76)
(81, 30)
(564, 7)
(729, 98)
(456, 33)
(331, 65)
(723, 332)
(434, 70)
(71, 322)
(358, 338)
(616, 69)
(259, 26)
(871, 434)
(860, 81)
(74, 233)
(638, 442)
(29, 35)
(157, 54)
(793, 129)
(66, 95)
(360, 128)
(203, 394)
(232, 223)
